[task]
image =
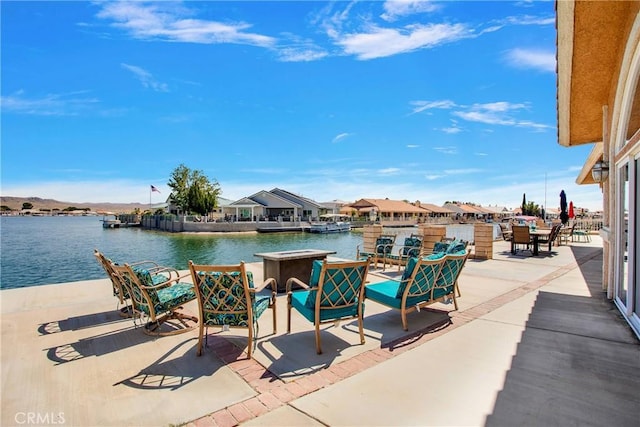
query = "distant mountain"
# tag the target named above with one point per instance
(15, 203)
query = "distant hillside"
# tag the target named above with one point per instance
(15, 203)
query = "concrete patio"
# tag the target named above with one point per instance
(534, 342)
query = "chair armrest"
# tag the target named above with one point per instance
(270, 281)
(295, 280)
(167, 282)
(138, 263)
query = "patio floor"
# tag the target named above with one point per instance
(534, 342)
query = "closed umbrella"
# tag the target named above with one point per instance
(571, 214)
(564, 216)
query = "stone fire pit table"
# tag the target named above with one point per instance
(285, 264)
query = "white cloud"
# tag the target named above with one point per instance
(446, 150)
(146, 78)
(377, 42)
(172, 22)
(398, 8)
(420, 106)
(340, 137)
(498, 113)
(451, 130)
(56, 104)
(535, 59)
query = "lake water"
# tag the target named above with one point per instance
(45, 250)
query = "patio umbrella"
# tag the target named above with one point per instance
(564, 216)
(571, 214)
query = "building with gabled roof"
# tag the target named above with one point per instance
(273, 205)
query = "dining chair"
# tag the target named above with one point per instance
(520, 236)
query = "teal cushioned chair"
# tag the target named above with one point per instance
(412, 247)
(383, 247)
(426, 280)
(227, 297)
(334, 292)
(155, 274)
(159, 302)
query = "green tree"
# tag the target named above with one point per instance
(5, 208)
(192, 191)
(27, 205)
(531, 208)
(179, 184)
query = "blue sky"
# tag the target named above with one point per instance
(410, 100)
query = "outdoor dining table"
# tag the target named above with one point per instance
(286, 264)
(535, 236)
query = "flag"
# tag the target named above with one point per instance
(154, 189)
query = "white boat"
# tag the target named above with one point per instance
(331, 223)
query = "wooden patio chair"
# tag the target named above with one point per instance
(158, 304)
(555, 231)
(426, 280)
(228, 298)
(334, 292)
(521, 236)
(506, 232)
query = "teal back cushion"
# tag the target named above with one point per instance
(411, 246)
(440, 247)
(384, 245)
(456, 246)
(316, 268)
(408, 271)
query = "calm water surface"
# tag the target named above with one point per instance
(45, 250)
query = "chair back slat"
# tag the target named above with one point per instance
(143, 301)
(423, 278)
(119, 288)
(341, 284)
(521, 234)
(451, 269)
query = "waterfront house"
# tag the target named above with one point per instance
(274, 205)
(599, 104)
(392, 212)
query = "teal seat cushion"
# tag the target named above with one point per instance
(386, 294)
(172, 296)
(299, 302)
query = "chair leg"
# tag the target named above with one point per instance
(273, 308)
(318, 347)
(250, 342)
(403, 316)
(361, 327)
(288, 313)
(200, 334)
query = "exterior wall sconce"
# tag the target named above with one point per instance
(600, 171)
